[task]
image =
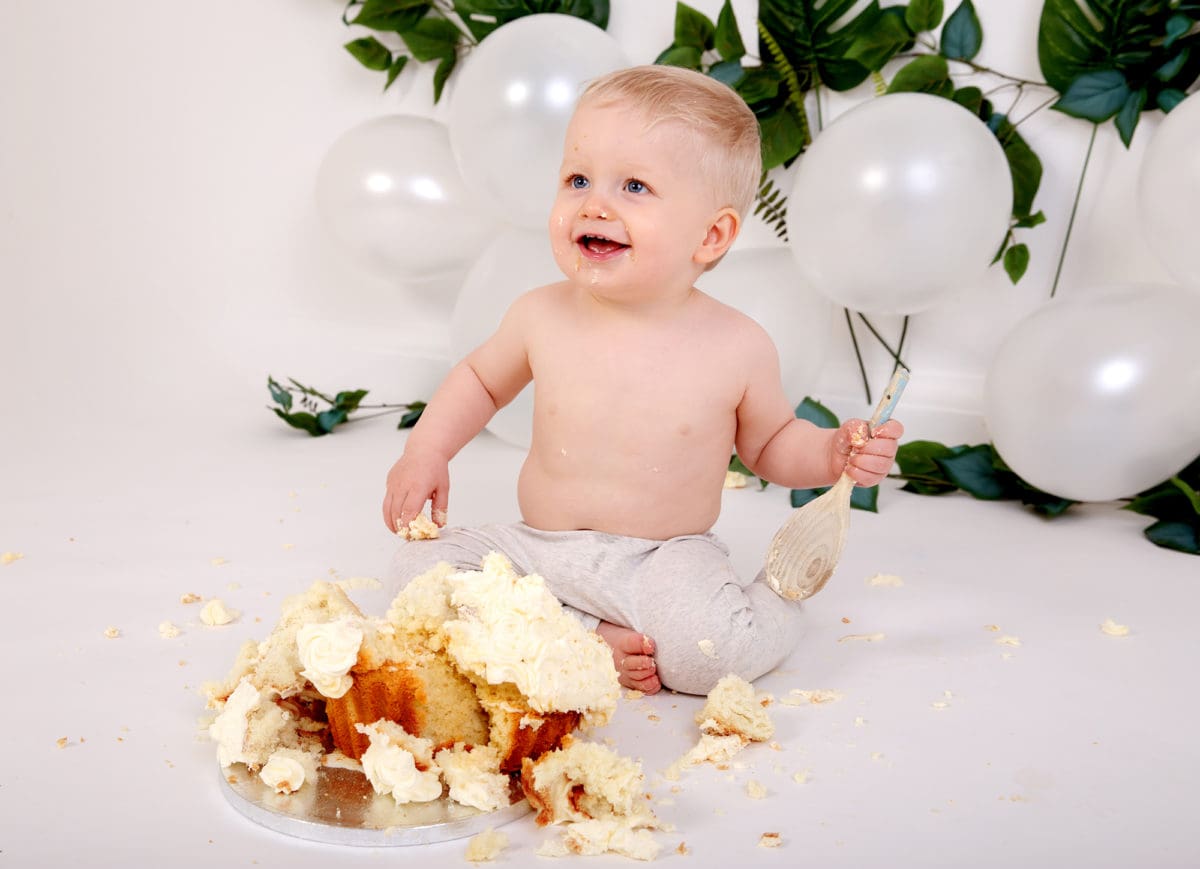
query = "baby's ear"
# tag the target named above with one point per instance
(722, 231)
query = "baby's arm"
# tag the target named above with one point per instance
(792, 452)
(487, 379)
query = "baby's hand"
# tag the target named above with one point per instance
(866, 457)
(410, 483)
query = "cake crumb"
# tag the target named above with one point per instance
(735, 480)
(111, 632)
(10, 557)
(817, 696)
(1008, 640)
(61, 742)
(845, 620)
(770, 840)
(215, 613)
(420, 528)
(801, 778)
(167, 630)
(682, 849)
(888, 580)
(993, 628)
(756, 790)
(486, 846)
(217, 562)
(1113, 629)
(190, 597)
(707, 648)
(866, 638)
(634, 694)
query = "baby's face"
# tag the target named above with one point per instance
(632, 209)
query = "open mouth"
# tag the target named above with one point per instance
(600, 247)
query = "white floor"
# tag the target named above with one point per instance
(947, 748)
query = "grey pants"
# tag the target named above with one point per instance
(680, 592)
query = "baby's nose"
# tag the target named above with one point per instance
(593, 209)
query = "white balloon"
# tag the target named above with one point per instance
(511, 104)
(516, 261)
(1169, 191)
(391, 196)
(1095, 397)
(899, 203)
(766, 285)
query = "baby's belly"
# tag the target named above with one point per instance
(644, 504)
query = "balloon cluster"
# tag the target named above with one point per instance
(899, 204)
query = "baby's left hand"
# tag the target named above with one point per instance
(865, 457)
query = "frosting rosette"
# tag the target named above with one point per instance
(327, 652)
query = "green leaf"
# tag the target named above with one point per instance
(397, 67)
(759, 83)
(432, 39)
(782, 133)
(818, 414)
(370, 52)
(962, 37)
(328, 420)
(1136, 39)
(865, 498)
(350, 400)
(1172, 67)
(685, 56)
(1016, 261)
(301, 420)
(693, 29)
(728, 39)
(879, 44)
(442, 74)
(391, 16)
(815, 39)
(1127, 118)
(1177, 25)
(1180, 536)
(926, 74)
(918, 466)
(1169, 98)
(800, 497)
(415, 409)
(973, 471)
(970, 98)
(1095, 96)
(1024, 166)
(280, 395)
(924, 15)
(728, 72)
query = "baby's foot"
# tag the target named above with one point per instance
(633, 656)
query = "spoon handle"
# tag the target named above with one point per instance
(890, 397)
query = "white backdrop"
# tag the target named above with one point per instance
(160, 250)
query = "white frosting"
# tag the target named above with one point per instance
(474, 778)
(282, 773)
(392, 769)
(215, 613)
(229, 727)
(510, 628)
(327, 652)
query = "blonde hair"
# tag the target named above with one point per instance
(733, 161)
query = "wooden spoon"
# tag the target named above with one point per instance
(806, 549)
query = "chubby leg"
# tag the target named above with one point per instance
(706, 621)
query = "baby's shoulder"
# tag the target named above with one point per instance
(727, 320)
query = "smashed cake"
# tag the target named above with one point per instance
(479, 670)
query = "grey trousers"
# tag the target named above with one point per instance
(680, 592)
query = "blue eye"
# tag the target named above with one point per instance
(578, 182)
(635, 186)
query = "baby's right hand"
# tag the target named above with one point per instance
(411, 482)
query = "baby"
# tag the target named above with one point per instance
(643, 385)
